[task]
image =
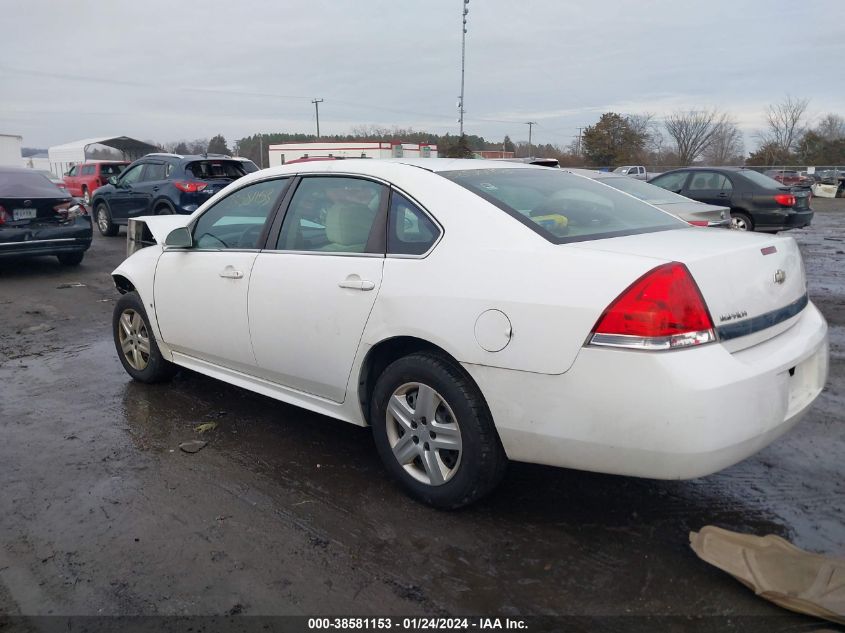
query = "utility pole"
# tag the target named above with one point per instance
(578, 150)
(530, 125)
(463, 64)
(317, 103)
(261, 150)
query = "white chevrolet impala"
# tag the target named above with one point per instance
(477, 312)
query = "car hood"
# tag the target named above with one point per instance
(161, 225)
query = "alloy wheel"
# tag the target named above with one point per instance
(423, 433)
(134, 339)
(739, 224)
(102, 219)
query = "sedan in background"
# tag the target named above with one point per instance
(757, 202)
(474, 312)
(38, 218)
(696, 213)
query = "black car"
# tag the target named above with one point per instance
(164, 184)
(757, 202)
(38, 218)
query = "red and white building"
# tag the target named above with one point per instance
(286, 152)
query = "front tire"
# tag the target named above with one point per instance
(741, 221)
(434, 432)
(86, 196)
(104, 221)
(135, 344)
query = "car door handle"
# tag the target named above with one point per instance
(357, 284)
(155, 188)
(723, 195)
(231, 273)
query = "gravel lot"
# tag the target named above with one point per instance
(287, 512)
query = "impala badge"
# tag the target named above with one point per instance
(780, 276)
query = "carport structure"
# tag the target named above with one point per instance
(63, 157)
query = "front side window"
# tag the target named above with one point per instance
(409, 230)
(133, 175)
(563, 207)
(671, 182)
(236, 221)
(72, 171)
(333, 215)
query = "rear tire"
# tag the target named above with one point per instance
(741, 221)
(434, 432)
(70, 259)
(104, 222)
(135, 344)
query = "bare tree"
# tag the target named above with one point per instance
(647, 127)
(726, 145)
(831, 127)
(784, 122)
(693, 130)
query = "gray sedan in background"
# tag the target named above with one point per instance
(696, 213)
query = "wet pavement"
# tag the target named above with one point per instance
(288, 512)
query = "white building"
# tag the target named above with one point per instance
(10, 150)
(286, 152)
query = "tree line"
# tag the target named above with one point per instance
(683, 137)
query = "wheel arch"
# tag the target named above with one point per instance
(123, 284)
(161, 203)
(390, 349)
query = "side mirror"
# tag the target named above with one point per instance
(113, 180)
(179, 238)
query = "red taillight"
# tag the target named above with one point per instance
(698, 222)
(2, 214)
(785, 199)
(663, 309)
(188, 186)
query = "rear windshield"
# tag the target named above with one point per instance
(27, 183)
(563, 207)
(759, 179)
(111, 170)
(216, 169)
(642, 190)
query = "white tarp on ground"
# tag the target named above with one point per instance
(62, 157)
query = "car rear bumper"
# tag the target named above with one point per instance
(670, 415)
(791, 220)
(69, 238)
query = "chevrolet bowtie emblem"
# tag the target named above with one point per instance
(780, 276)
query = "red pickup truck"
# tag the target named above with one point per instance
(84, 178)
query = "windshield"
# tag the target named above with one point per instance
(563, 207)
(644, 191)
(216, 169)
(759, 179)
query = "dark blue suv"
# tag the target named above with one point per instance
(162, 184)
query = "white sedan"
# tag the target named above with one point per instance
(473, 312)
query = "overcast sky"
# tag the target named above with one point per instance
(180, 69)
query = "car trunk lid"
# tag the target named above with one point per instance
(26, 212)
(753, 285)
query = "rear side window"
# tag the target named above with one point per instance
(88, 170)
(563, 207)
(215, 169)
(155, 171)
(409, 230)
(111, 170)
